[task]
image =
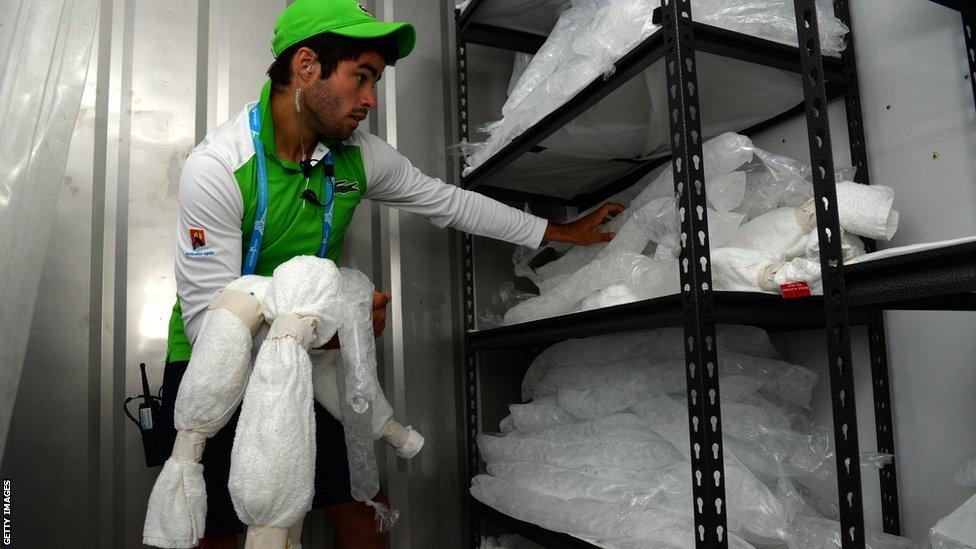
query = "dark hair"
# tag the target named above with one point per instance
(330, 49)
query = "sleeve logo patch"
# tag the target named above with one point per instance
(198, 238)
(198, 241)
(343, 186)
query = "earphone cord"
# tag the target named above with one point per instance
(301, 140)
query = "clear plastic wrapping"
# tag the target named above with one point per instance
(590, 36)
(817, 533)
(774, 19)
(603, 450)
(650, 277)
(538, 414)
(958, 530)
(653, 346)
(590, 518)
(356, 336)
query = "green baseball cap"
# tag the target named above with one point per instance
(306, 18)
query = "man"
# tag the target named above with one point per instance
(329, 54)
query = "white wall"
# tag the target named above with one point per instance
(920, 127)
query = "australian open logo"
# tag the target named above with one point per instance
(343, 186)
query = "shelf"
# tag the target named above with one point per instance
(591, 174)
(939, 279)
(768, 311)
(532, 532)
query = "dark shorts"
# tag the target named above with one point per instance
(331, 466)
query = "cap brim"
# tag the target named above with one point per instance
(403, 33)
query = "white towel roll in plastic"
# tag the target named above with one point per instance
(740, 270)
(209, 394)
(384, 426)
(782, 233)
(358, 387)
(866, 210)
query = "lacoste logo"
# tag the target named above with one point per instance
(343, 186)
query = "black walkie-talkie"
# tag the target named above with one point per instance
(152, 439)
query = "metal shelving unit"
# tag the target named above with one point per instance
(940, 279)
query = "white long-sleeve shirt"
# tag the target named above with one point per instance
(210, 198)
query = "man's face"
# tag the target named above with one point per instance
(340, 102)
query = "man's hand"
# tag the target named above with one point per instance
(584, 231)
(380, 301)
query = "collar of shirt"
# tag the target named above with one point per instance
(268, 136)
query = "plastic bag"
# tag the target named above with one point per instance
(763, 515)
(539, 414)
(502, 300)
(774, 19)
(626, 454)
(520, 62)
(613, 523)
(650, 277)
(957, 530)
(815, 533)
(653, 346)
(781, 234)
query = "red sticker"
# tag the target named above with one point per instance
(198, 238)
(795, 290)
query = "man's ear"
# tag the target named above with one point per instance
(304, 65)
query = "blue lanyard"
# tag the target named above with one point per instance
(254, 248)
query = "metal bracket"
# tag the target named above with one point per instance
(832, 269)
(701, 360)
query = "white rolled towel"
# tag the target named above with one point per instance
(209, 394)
(866, 210)
(272, 468)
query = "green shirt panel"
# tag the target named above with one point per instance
(294, 225)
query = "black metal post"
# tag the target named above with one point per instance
(470, 367)
(832, 269)
(704, 408)
(876, 327)
(890, 519)
(969, 31)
